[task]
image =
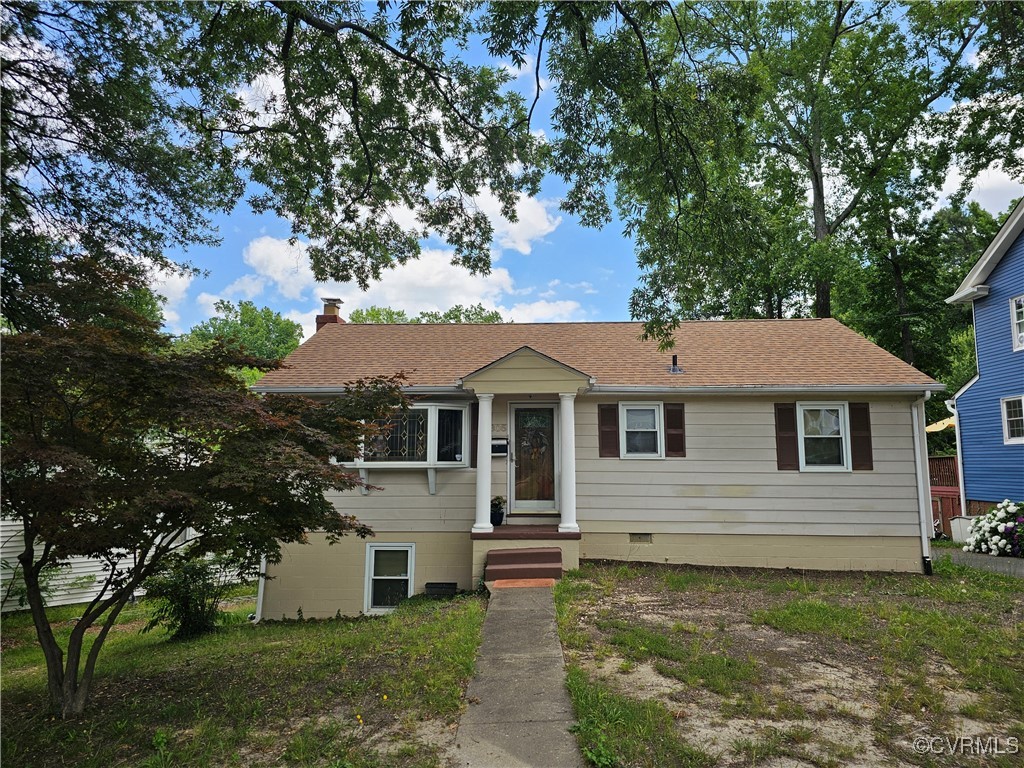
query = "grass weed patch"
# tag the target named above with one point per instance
(301, 693)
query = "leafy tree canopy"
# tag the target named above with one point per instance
(841, 121)
(127, 124)
(117, 443)
(475, 313)
(257, 331)
(378, 315)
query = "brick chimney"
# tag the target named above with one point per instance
(332, 313)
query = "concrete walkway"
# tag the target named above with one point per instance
(519, 713)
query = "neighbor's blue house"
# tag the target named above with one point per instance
(990, 407)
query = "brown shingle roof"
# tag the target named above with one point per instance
(713, 353)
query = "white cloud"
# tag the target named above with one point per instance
(431, 283)
(528, 71)
(587, 288)
(207, 302)
(993, 189)
(247, 286)
(535, 221)
(173, 286)
(285, 264)
(264, 95)
(543, 312)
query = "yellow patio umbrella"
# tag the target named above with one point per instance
(938, 426)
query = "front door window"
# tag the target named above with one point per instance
(534, 457)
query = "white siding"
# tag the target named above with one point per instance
(405, 503)
(729, 482)
(82, 569)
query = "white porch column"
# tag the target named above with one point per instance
(567, 495)
(483, 466)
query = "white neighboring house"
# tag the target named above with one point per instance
(79, 582)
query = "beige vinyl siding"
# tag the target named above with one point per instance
(729, 482)
(323, 579)
(405, 503)
(525, 371)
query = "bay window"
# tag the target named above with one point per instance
(425, 435)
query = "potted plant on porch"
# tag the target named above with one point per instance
(497, 510)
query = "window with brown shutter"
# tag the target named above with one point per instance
(474, 419)
(787, 450)
(675, 429)
(860, 436)
(608, 430)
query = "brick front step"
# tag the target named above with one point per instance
(549, 555)
(523, 571)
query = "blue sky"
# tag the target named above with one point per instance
(546, 266)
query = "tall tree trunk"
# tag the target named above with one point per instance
(822, 277)
(902, 307)
(52, 652)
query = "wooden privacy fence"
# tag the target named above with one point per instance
(942, 471)
(945, 491)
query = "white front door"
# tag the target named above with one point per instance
(533, 455)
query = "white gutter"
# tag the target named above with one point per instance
(630, 389)
(923, 484)
(746, 389)
(951, 408)
(972, 293)
(259, 591)
(416, 389)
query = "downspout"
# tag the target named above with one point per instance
(923, 492)
(951, 407)
(259, 591)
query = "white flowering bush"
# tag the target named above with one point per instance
(1000, 532)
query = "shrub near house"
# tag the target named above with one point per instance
(1000, 532)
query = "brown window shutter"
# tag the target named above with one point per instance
(474, 421)
(608, 430)
(786, 450)
(675, 429)
(860, 436)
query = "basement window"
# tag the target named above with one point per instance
(389, 576)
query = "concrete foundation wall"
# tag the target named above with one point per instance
(324, 579)
(827, 553)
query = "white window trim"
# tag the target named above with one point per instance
(1007, 440)
(432, 425)
(844, 427)
(1016, 335)
(659, 425)
(368, 609)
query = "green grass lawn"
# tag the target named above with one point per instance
(345, 693)
(675, 665)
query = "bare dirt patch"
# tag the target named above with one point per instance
(817, 700)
